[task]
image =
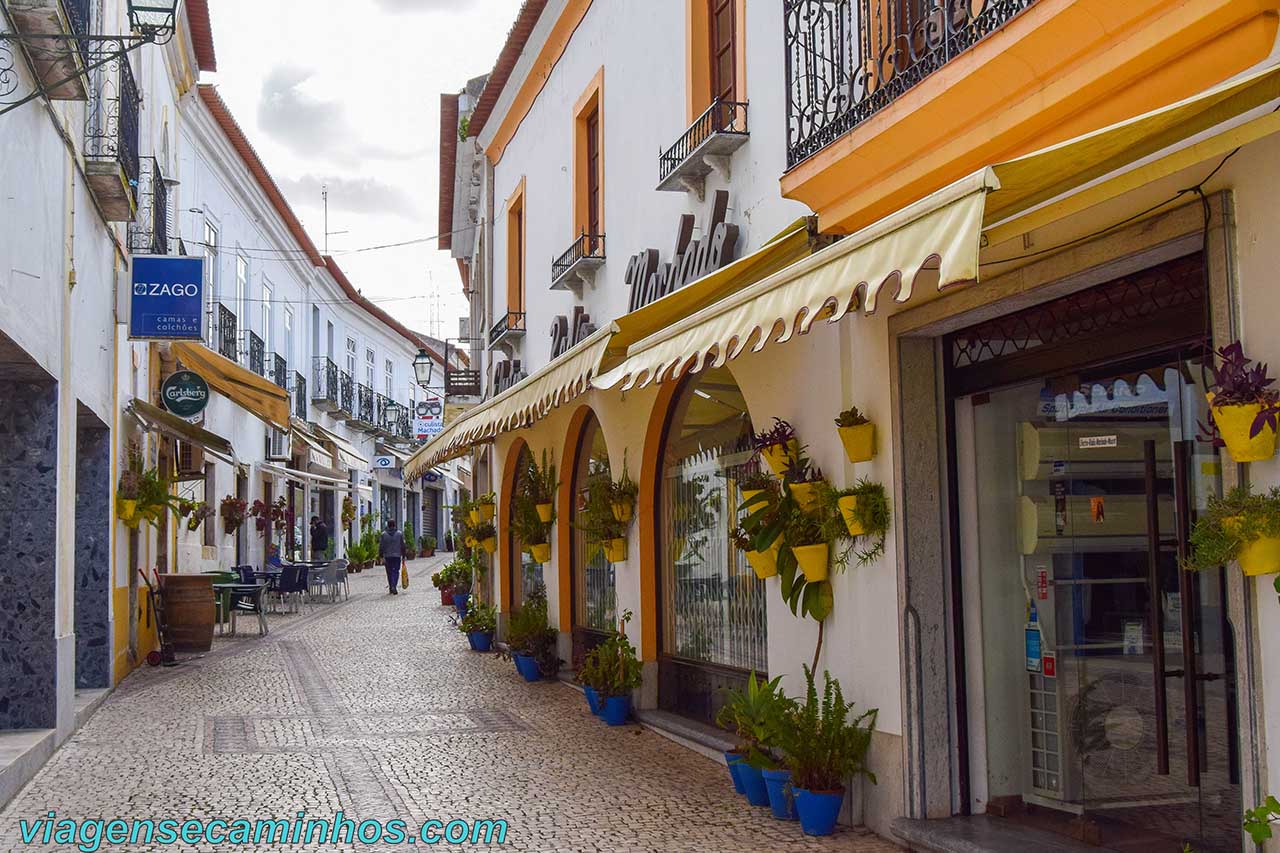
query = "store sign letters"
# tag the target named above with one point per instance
(567, 334)
(167, 298)
(651, 280)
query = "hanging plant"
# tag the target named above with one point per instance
(858, 434)
(778, 445)
(348, 511)
(865, 511)
(597, 520)
(486, 536)
(233, 512)
(763, 563)
(803, 479)
(1245, 408)
(199, 514)
(623, 493)
(128, 491)
(486, 506)
(1240, 527)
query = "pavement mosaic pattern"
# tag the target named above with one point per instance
(376, 707)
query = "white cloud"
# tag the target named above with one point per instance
(362, 194)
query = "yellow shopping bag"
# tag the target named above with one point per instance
(404, 577)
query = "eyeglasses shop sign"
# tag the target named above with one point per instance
(185, 394)
(167, 298)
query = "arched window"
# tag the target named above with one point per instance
(712, 605)
(594, 603)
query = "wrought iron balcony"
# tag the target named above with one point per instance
(362, 416)
(279, 372)
(578, 265)
(226, 339)
(346, 393)
(508, 328)
(111, 138)
(149, 232)
(324, 384)
(462, 382)
(403, 422)
(54, 34)
(706, 146)
(257, 354)
(839, 73)
(299, 392)
(383, 414)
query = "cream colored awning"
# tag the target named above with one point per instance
(347, 453)
(253, 393)
(935, 243)
(520, 405)
(154, 419)
(317, 453)
(320, 481)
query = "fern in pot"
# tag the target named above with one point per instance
(757, 716)
(1241, 527)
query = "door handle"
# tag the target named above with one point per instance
(1187, 591)
(1155, 612)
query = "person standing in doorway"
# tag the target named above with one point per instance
(319, 537)
(391, 550)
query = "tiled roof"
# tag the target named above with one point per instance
(202, 34)
(448, 167)
(517, 38)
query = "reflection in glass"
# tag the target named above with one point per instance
(594, 604)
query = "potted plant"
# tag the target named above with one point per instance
(858, 434)
(534, 533)
(540, 485)
(803, 479)
(486, 537)
(479, 625)
(589, 678)
(810, 547)
(777, 445)
(442, 581)
(461, 587)
(598, 521)
(410, 542)
(824, 744)
(763, 563)
(530, 641)
(1241, 527)
(619, 672)
(865, 510)
(623, 493)
(427, 546)
(753, 484)
(756, 716)
(485, 507)
(200, 513)
(128, 490)
(1245, 408)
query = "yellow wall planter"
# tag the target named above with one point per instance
(848, 508)
(1234, 423)
(544, 512)
(780, 456)
(748, 494)
(806, 494)
(615, 550)
(541, 552)
(813, 560)
(489, 545)
(859, 442)
(126, 509)
(1261, 556)
(487, 512)
(474, 515)
(622, 511)
(764, 563)
(471, 542)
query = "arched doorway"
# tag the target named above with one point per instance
(524, 574)
(594, 611)
(712, 626)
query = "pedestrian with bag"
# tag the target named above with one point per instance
(319, 537)
(391, 550)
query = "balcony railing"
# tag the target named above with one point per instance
(509, 325)
(403, 422)
(279, 372)
(839, 74)
(299, 392)
(149, 232)
(577, 265)
(324, 383)
(705, 146)
(346, 393)
(111, 138)
(462, 382)
(383, 416)
(54, 34)
(226, 338)
(257, 354)
(364, 405)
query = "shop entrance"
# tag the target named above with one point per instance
(1107, 700)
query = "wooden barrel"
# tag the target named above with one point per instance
(189, 611)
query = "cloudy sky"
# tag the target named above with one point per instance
(347, 95)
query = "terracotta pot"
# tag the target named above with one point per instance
(545, 511)
(806, 494)
(848, 508)
(1234, 423)
(541, 552)
(622, 512)
(859, 442)
(813, 560)
(780, 456)
(615, 550)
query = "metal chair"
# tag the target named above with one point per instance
(292, 586)
(339, 568)
(246, 574)
(250, 602)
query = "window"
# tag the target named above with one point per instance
(588, 213)
(266, 316)
(515, 250)
(592, 579)
(242, 290)
(329, 342)
(722, 28)
(370, 359)
(390, 371)
(210, 273)
(288, 333)
(351, 356)
(715, 65)
(209, 528)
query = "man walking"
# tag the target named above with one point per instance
(319, 537)
(391, 550)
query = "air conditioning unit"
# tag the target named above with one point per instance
(278, 448)
(190, 461)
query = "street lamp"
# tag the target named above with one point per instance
(423, 366)
(152, 16)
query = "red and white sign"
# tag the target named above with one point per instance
(1042, 584)
(1050, 665)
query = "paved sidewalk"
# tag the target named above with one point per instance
(375, 707)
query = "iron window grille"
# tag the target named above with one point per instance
(299, 392)
(226, 338)
(324, 384)
(839, 74)
(257, 353)
(111, 119)
(722, 117)
(346, 392)
(279, 370)
(149, 232)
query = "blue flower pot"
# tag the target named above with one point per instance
(460, 601)
(528, 668)
(818, 810)
(753, 784)
(782, 797)
(733, 761)
(593, 699)
(481, 641)
(615, 710)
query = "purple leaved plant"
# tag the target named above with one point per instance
(1239, 381)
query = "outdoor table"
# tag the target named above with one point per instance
(254, 590)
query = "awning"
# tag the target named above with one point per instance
(320, 481)
(399, 455)
(317, 453)
(154, 419)
(935, 243)
(520, 405)
(253, 393)
(347, 453)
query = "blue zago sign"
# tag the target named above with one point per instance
(168, 298)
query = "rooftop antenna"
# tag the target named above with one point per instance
(324, 194)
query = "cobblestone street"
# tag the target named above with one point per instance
(375, 707)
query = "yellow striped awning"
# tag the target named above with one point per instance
(253, 393)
